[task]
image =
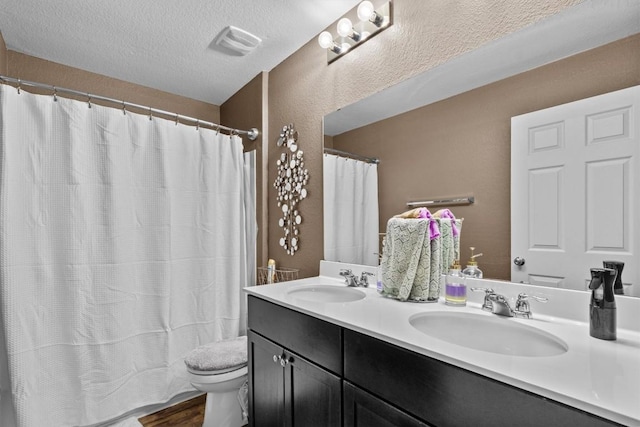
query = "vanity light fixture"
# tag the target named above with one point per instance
(366, 12)
(371, 22)
(345, 29)
(325, 40)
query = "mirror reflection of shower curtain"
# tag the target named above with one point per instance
(123, 248)
(251, 226)
(350, 210)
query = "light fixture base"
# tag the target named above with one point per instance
(365, 30)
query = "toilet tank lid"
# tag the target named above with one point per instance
(218, 355)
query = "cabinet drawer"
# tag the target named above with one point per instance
(445, 395)
(361, 409)
(311, 338)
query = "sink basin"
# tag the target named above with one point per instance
(494, 334)
(325, 293)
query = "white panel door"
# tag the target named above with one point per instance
(575, 179)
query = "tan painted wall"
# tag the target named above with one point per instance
(303, 88)
(27, 67)
(244, 110)
(461, 146)
(3, 57)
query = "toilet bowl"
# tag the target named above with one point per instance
(220, 370)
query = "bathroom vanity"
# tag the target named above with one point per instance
(352, 358)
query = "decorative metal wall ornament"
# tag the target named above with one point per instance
(289, 184)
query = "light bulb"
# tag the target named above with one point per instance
(325, 40)
(365, 10)
(345, 28)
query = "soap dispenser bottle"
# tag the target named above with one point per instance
(472, 269)
(455, 287)
(602, 309)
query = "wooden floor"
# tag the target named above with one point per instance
(186, 414)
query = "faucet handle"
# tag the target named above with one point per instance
(523, 308)
(364, 279)
(487, 304)
(478, 289)
(346, 272)
(523, 296)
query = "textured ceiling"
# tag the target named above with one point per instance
(165, 44)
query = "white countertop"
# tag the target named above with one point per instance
(599, 377)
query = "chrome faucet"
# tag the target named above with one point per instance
(364, 278)
(487, 305)
(353, 281)
(522, 304)
(498, 304)
(349, 278)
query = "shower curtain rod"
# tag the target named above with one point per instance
(252, 133)
(352, 155)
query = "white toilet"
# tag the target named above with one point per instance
(220, 370)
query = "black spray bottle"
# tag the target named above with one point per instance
(618, 266)
(602, 310)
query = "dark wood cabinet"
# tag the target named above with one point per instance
(445, 395)
(361, 409)
(306, 372)
(313, 396)
(266, 379)
(286, 389)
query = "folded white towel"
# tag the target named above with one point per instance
(412, 263)
(406, 259)
(436, 267)
(450, 243)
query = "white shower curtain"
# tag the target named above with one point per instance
(123, 246)
(350, 210)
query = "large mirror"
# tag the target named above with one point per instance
(446, 133)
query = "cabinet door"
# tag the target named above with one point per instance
(313, 395)
(266, 383)
(316, 340)
(361, 409)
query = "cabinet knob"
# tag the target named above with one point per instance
(285, 360)
(519, 261)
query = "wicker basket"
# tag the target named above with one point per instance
(282, 275)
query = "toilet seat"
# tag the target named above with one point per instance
(203, 380)
(216, 371)
(220, 356)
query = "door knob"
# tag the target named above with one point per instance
(519, 261)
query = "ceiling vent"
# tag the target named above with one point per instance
(234, 41)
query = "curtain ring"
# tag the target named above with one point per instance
(197, 124)
(89, 100)
(19, 83)
(124, 108)
(177, 117)
(55, 94)
(150, 114)
(217, 130)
